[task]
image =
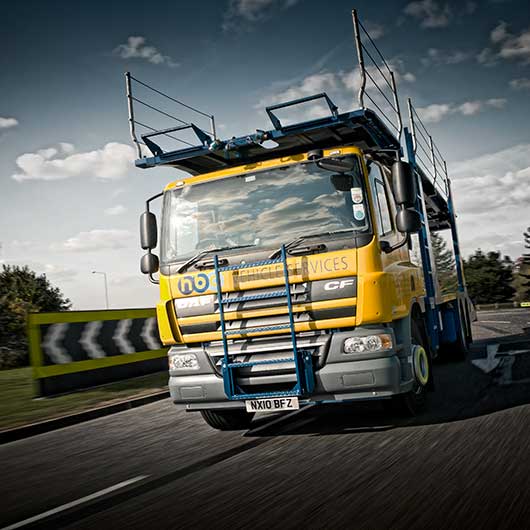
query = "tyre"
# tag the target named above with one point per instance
(459, 349)
(227, 420)
(462, 342)
(412, 402)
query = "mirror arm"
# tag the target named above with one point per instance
(152, 279)
(386, 247)
(148, 201)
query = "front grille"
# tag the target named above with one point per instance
(269, 348)
(265, 297)
(258, 299)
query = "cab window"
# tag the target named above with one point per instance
(381, 202)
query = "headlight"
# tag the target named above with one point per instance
(370, 343)
(183, 361)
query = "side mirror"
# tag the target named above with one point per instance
(408, 221)
(149, 263)
(148, 231)
(404, 184)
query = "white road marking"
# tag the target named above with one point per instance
(77, 502)
(120, 336)
(506, 311)
(491, 361)
(51, 342)
(89, 340)
(148, 334)
(280, 419)
(503, 360)
(493, 322)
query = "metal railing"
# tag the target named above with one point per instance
(153, 131)
(386, 87)
(428, 157)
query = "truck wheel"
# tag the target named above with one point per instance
(459, 349)
(463, 340)
(227, 420)
(412, 402)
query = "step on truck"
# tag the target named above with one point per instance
(286, 271)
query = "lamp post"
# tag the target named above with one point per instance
(106, 286)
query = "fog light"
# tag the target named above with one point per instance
(183, 361)
(370, 343)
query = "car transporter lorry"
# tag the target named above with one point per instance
(286, 272)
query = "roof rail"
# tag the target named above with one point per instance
(205, 136)
(386, 88)
(379, 129)
(427, 155)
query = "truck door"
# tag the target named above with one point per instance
(397, 261)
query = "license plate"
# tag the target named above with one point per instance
(269, 405)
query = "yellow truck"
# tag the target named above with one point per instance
(286, 273)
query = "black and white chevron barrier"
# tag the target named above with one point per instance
(78, 349)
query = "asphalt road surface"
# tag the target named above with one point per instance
(464, 463)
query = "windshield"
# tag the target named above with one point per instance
(262, 209)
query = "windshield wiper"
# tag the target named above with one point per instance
(294, 242)
(203, 253)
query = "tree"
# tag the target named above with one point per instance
(445, 264)
(22, 291)
(521, 283)
(489, 278)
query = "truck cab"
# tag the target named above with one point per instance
(331, 212)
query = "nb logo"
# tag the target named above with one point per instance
(190, 284)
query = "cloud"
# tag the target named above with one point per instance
(7, 123)
(340, 86)
(506, 45)
(136, 48)
(499, 33)
(493, 218)
(55, 273)
(244, 14)
(439, 57)
(58, 273)
(22, 244)
(308, 86)
(487, 57)
(119, 209)
(375, 30)
(95, 240)
(111, 162)
(436, 112)
(430, 13)
(437, 14)
(523, 83)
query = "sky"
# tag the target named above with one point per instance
(71, 195)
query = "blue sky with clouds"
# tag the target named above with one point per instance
(71, 195)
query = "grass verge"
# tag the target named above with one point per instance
(17, 406)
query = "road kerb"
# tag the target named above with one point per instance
(25, 431)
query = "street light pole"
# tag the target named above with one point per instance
(106, 286)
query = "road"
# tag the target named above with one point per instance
(464, 463)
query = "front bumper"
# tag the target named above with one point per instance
(343, 377)
(354, 380)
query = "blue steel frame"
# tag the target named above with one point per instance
(456, 244)
(302, 359)
(427, 259)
